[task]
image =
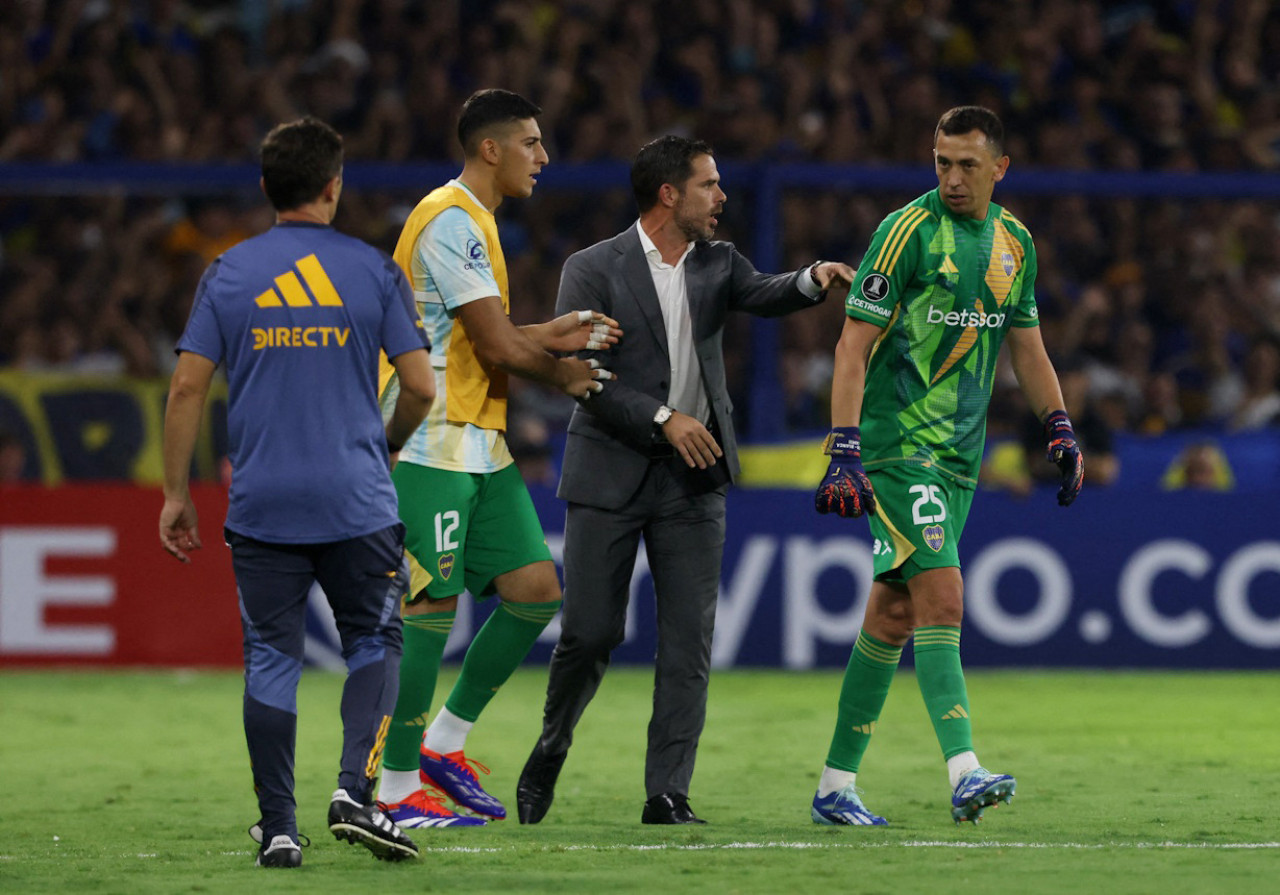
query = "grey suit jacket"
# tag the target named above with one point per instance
(607, 450)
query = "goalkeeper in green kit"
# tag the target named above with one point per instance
(944, 282)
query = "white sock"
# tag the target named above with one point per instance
(833, 780)
(959, 765)
(447, 733)
(396, 786)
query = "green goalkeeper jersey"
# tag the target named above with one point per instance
(946, 289)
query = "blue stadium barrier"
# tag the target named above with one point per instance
(1161, 580)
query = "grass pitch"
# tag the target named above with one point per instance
(1127, 783)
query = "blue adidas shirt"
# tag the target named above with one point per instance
(299, 314)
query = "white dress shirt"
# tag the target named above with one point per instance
(687, 393)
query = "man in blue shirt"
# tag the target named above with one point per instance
(299, 315)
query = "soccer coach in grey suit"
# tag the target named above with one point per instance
(653, 454)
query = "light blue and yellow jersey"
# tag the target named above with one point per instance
(450, 252)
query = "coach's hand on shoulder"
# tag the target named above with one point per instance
(692, 441)
(581, 331)
(1064, 452)
(580, 378)
(845, 489)
(832, 275)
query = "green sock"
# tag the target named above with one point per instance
(424, 640)
(941, 680)
(496, 652)
(867, 677)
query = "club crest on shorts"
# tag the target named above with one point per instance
(933, 536)
(445, 565)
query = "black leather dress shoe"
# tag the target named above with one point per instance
(537, 785)
(669, 808)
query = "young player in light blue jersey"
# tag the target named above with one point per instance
(470, 523)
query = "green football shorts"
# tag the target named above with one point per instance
(920, 515)
(466, 528)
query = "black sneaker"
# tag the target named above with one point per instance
(281, 851)
(369, 826)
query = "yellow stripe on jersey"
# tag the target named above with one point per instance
(1005, 262)
(1008, 217)
(967, 340)
(268, 299)
(318, 280)
(291, 288)
(889, 256)
(963, 344)
(893, 234)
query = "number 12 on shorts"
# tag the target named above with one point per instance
(446, 527)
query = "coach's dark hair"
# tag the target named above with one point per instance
(667, 159)
(963, 119)
(486, 108)
(298, 159)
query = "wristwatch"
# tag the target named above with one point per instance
(662, 415)
(813, 273)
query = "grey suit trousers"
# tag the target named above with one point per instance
(681, 513)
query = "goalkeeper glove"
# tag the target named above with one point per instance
(1065, 454)
(845, 490)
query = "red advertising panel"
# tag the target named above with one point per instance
(84, 580)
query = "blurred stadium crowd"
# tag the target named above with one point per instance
(1163, 314)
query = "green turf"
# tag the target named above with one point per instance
(1127, 783)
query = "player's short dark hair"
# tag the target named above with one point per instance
(486, 108)
(667, 159)
(298, 159)
(963, 119)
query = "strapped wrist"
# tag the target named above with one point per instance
(1058, 424)
(843, 441)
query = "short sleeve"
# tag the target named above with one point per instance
(1027, 314)
(453, 257)
(203, 334)
(887, 268)
(402, 326)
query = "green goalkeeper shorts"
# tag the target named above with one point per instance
(465, 529)
(920, 515)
